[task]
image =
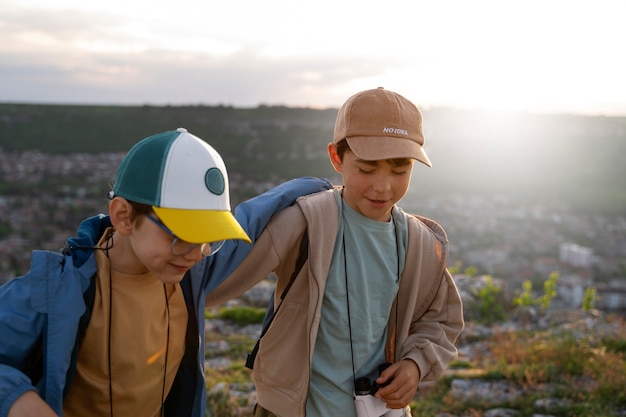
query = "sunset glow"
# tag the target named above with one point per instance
(536, 56)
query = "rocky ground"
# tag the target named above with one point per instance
(466, 384)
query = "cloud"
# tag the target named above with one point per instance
(531, 55)
(75, 56)
(172, 77)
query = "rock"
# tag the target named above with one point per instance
(501, 412)
(221, 362)
(479, 390)
(259, 295)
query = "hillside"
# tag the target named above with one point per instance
(509, 189)
(578, 161)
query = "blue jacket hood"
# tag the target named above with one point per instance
(89, 233)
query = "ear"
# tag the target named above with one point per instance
(120, 212)
(335, 160)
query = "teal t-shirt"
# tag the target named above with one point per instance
(369, 257)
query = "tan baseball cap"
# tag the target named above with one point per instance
(380, 124)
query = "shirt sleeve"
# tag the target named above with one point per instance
(253, 215)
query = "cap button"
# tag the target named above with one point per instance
(181, 130)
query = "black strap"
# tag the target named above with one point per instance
(271, 313)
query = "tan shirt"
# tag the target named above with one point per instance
(146, 343)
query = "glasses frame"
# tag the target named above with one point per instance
(213, 246)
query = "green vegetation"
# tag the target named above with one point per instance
(525, 299)
(549, 288)
(240, 315)
(589, 299)
(263, 143)
(5, 229)
(220, 381)
(571, 159)
(586, 372)
(456, 268)
(490, 306)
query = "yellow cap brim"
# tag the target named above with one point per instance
(201, 226)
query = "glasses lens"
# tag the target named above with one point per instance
(180, 247)
(209, 249)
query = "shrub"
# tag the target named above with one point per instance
(589, 299)
(242, 315)
(490, 306)
(525, 298)
(549, 288)
(220, 404)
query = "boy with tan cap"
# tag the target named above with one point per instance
(373, 311)
(113, 325)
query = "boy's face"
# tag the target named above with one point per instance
(141, 246)
(152, 247)
(371, 187)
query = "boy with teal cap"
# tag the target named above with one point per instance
(113, 324)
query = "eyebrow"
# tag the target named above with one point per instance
(396, 162)
(363, 161)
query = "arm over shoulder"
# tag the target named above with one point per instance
(272, 252)
(254, 215)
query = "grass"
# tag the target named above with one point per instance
(241, 316)
(585, 372)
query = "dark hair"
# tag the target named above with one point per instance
(139, 209)
(343, 147)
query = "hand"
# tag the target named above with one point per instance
(30, 404)
(404, 376)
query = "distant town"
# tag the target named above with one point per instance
(520, 195)
(514, 243)
(46, 196)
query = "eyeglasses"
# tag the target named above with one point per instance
(181, 248)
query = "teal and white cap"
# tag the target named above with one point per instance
(184, 179)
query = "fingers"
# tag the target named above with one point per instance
(403, 378)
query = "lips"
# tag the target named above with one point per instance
(378, 203)
(181, 268)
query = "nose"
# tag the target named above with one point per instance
(381, 184)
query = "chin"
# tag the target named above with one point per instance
(170, 279)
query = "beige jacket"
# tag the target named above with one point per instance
(429, 310)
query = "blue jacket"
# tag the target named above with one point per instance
(44, 307)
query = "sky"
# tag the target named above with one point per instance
(540, 56)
